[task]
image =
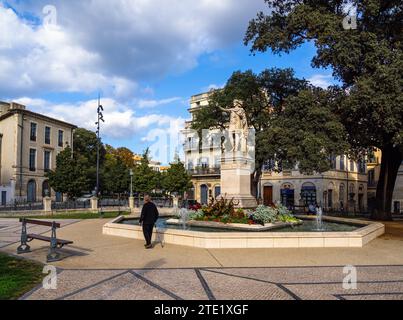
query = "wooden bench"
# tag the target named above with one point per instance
(55, 244)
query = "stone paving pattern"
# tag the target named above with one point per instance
(316, 283)
(98, 267)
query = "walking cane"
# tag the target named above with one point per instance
(159, 237)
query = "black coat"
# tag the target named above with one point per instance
(149, 214)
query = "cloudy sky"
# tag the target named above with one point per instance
(146, 57)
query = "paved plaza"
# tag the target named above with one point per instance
(103, 267)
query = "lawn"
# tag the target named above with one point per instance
(76, 216)
(18, 276)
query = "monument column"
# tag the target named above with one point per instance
(236, 180)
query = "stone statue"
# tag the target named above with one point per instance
(238, 126)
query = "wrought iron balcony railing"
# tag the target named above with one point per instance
(205, 171)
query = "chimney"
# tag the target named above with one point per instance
(16, 106)
(4, 107)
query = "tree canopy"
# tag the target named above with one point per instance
(366, 59)
(177, 179)
(68, 178)
(145, 178)
(293, 121)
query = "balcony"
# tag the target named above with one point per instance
(200, 171)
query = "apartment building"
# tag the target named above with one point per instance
(29, 145)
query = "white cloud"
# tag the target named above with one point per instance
(149, 104)
(122, 121)
(321, 80)
(112, 45)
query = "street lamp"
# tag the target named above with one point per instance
(98, 124)
(131, 199)
(131, 182)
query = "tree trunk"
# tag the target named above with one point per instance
(391, 162)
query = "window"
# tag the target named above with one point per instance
(32, 160)
(352, 167)
(34, 128)
(60, 138)
(46, 164)
(362, 167)
(342, 163)
(333, 162)
(47, 135)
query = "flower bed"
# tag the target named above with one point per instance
(224, 211)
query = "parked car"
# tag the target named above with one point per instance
(84, 198)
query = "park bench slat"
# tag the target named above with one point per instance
(40, 223)
(48, 239)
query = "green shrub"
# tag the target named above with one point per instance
(265, 214)
(196, 215)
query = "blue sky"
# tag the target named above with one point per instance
(147, 58)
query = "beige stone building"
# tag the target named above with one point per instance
(155, 165)
(29, 145)
(344, 187)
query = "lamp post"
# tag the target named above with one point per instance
(131, 198)
(131, 182)
(98, 124)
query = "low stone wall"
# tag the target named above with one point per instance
(56, 212)
(226, 240)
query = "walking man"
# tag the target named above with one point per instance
(149, 216)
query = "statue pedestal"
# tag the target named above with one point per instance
(236, 174)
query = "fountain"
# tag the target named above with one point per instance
(319, 220)
(184, 217)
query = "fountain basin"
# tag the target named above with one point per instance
(232, 226)
(362, 233)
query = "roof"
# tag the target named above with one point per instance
(35, 115)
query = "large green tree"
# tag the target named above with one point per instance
(366, 58)
(145, 178)
(115, 174)
(85, 151)
(307, 134)
(68, 177)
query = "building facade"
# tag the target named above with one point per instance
(29, 145)
(154, 165)
(345, 187)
